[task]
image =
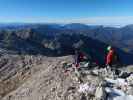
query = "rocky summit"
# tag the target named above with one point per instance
(56, 78)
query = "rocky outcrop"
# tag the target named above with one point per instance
(14, 70)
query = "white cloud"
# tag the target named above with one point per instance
(111, 20)
(119, 20)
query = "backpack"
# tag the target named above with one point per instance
(115, 58)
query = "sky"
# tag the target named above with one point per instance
(100, 12)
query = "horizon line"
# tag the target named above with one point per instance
(101, 20)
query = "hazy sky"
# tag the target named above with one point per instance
(110, 12)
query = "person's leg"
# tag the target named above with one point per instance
(108, 66)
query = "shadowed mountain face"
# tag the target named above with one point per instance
(119, 37)
(56, 41)
(78, 26)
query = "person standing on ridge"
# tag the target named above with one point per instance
(110, 56)
(79, 57)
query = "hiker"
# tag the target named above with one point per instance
(112, 57)
(109, 57)
(79, 57)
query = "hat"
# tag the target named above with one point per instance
(109, 48)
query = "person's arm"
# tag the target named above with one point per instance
(108, 58)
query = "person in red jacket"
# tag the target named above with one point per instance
(110, 55)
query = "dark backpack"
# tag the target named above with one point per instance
(115, 58)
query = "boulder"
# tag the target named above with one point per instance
(130, 79)
(100, 93)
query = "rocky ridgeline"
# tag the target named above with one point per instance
(57, 79)
(14, 70)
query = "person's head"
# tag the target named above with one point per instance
(109, 48)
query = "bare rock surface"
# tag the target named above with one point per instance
(48, 83)
(46, 78)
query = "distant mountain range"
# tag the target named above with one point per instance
(120, 37)
(60, 40)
